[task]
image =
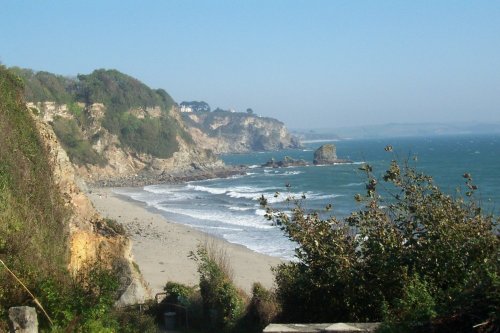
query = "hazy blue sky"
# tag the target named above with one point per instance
(309, 63)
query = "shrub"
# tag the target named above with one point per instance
(414, 311)
(84, 300)
(186, 302)
(419, 255)
(262, 309)
(179, 293)
(223, 304)
(135, 319)
(116, 226)
(79, 149)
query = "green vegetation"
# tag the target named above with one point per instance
(120, 93)
(77, 147)
(34, 233)
(216, 305)
(262, 309)
(44, 86)
(152, 136)
(32, 215)
(222, 302)
(197, 106)
(84, 301)
(421, 260)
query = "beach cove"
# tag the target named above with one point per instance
(161, 247)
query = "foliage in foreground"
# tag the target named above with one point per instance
(223, 304)
(33, 218)
(420, 260)
(216, 305)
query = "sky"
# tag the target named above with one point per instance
(311, 63)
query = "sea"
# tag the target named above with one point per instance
(229, 208)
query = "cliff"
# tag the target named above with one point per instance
(49, 231)
(237, 132)
(116, 130)
(100, 154)
(91, 237)
(113, 126)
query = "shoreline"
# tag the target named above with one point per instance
(161, 247)
(145, 178)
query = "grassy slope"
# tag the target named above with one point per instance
(32, 217)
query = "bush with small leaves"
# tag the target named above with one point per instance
(418, 249)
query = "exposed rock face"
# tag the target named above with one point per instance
(90, 238)
(227, 132)
(23, 319)
(326, 154)
(123, 162)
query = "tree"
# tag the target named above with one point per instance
(249, 111)
(420, 249)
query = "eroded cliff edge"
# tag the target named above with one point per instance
(238, 132)
(91, 237)
(51, 237)
(100, 156)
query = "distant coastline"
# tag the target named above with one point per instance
(321, 140)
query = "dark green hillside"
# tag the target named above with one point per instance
(119, 93)
(45, 86)
(32, 216)
(78, 148)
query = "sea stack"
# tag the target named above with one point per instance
(326, 154)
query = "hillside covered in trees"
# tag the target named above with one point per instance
(112, 125)
(119, 93)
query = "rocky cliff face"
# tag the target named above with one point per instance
(227, 132)
(120, 160)
(91, 238)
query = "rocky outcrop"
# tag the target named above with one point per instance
(327, 154)
(236, 132)
(287, 162)
(23, 319)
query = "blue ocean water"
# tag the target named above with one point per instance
(229, 208)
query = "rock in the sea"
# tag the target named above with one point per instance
(287, 162)
(326, 154)
(23, 319)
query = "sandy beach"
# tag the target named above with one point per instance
(161, 247)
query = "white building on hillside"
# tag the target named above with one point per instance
(185, 108)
